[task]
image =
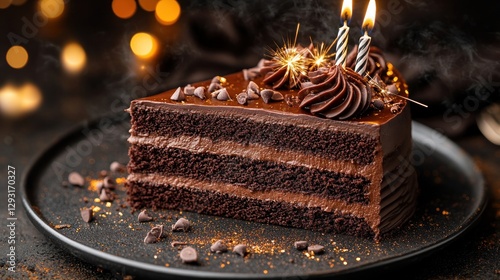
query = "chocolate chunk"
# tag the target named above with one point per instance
(277, 96)
(218, 247)
(181, 225)
(117, 167)
(189, 90)
(251, 95)
(266, 95)
(247, 75)
(189, 255)
(178, 95)
(216, 80)
(105, 196)
(100, 187)
(177, 243)
(378, 104)
(200, 93)
(223, 95)
(144, 217)
(240, 249)
(395, 109)
(316, 249)
(109, 183)
(150, 238)
(75, 179)
(213, 87)
(392, 89)
(253, 87)
(157, 231)
(242, 98)
(300, 245)
(87, 214)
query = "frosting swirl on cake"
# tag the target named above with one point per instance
(335, 93)
(376, 61)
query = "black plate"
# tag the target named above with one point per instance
(452, 198)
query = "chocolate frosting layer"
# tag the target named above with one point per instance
(337, 94)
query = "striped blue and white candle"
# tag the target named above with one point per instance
(343, 35)
(365, 40)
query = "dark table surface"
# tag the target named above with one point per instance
(447, 50)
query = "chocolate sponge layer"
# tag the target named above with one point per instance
(337, 145)
(256, 175)
(160, 196)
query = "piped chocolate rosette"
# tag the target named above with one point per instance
(335, 93)
(376, 64)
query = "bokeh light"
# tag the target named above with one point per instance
(73, 57)
(17, 57)
(167, 11)
(18, 101)
(51, 8)
(124, 8)
(148, 5)
(144, 45)
(5, 4)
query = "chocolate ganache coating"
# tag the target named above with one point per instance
(335, 93)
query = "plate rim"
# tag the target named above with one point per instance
(117, 263)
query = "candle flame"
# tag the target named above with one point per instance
(346, 13)
(369, 20)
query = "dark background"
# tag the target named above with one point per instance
(448, 51)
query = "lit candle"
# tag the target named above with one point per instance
(343, 36)
(364, 41)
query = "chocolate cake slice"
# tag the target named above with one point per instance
(326, 149)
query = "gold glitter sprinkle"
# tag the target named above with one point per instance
(120, 213)
(358, 259)
(445, 213)
(167, 264)
(96, 209)
(97, 200)
(121, 180)
(265, 271)
(344, 263)
(93, 185)
(108, 204)
(222, 265)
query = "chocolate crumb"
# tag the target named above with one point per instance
(144, 217)
(65, 184)
(86, 214)
(240, 249)
(103, 173)
(200, 93)
(218, 247)
(61, 226)
(150, 238)
(189, 255)
(178, 95)
(100, 187)
(177, 243)
(181, 225)
(300, 245)
(117, 167)
(242, 98)
(316, 249)
(291, 261)
(292, 100)
(75, 179)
